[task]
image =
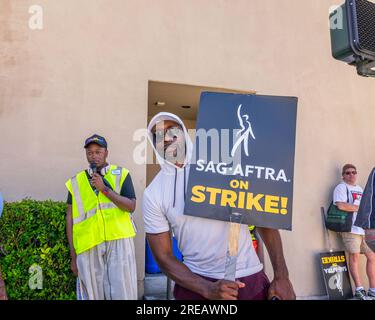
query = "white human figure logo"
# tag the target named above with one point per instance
(336, 282)
(244, 133)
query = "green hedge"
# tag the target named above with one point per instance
(33, 233)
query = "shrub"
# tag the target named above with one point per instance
(32, 238)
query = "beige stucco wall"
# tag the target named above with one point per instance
(88, 69)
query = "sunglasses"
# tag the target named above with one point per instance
(350, 172)
(171, 132)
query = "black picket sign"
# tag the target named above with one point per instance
(243, 159)
(336, 275)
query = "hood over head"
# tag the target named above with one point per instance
(166, 165)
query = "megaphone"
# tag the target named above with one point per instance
(353, 35)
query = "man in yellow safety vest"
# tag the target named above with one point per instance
(100, 228)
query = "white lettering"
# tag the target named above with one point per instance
(220, 168)
(210, 167)
(281, 176)
(36, 20)
(336, 20)
(259, 171)
(246, 171)
(238, 170)
(200, 165)
(269, 174)
(36, 278)
(153, 310)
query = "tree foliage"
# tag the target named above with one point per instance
(33, 242)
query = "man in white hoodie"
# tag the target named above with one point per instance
(202, 242)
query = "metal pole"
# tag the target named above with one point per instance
(326, 230)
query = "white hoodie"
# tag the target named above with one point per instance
(202, 242)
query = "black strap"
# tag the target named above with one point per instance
(347, 193)
(184, 185)
(174, 189)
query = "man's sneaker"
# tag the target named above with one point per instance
(371, 294)
(360, 294)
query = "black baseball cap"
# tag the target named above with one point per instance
(96, 139)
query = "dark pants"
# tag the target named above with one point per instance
(370, 238)
(256, 288)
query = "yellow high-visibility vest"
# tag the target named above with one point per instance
(95, 217)
(251, 229)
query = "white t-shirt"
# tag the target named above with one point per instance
(340, 194)
(202, 242)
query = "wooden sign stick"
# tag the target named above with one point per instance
(234, 235)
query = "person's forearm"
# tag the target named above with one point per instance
(123, 203)
(272, 241)
(69, 232)
(182, 275)
(344, 206)
(162, 250)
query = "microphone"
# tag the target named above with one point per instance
(94, 168)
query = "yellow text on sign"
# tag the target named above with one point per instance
(333, 259)
(240, 199)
